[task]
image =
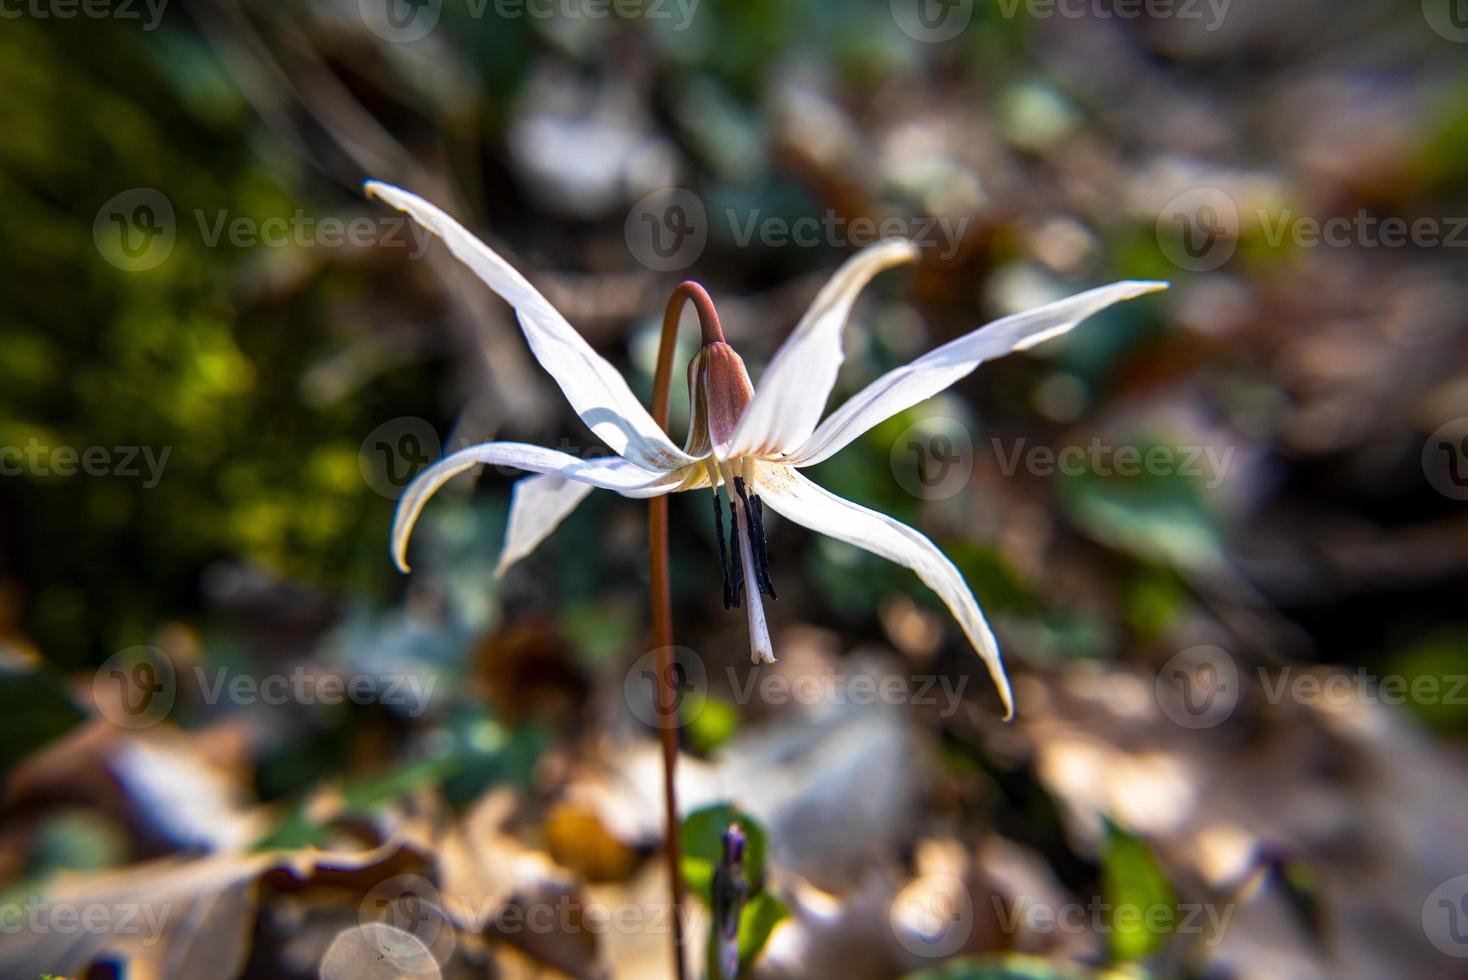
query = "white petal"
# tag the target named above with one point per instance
(538, 504)
(792, 392)
(798, 499)
(607, 472)
(904, 387)
(594, 388)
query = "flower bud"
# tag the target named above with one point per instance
(718, 390)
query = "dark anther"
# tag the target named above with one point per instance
(723, 553)
(736, 563)
(756, 521)
(762, 555)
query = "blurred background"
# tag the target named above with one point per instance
(1220, 531)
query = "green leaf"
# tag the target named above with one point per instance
(703, 847)
(714, 721)
(1425, 680)
(1138, 899)
(760, 916)
(36, 709)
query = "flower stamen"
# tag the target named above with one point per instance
(761, 651)
(755, 530)
(723, 550)
(736, 546)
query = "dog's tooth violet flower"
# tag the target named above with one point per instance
(751, 441)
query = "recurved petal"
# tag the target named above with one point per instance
(904, 387)
(594, 388)
(538, 504)
(792, 392)
(607, 472)
(798, 499)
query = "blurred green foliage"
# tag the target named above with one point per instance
(188, 358)
(1139, 905)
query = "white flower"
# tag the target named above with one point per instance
(753, 440)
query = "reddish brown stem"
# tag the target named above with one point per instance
(662, 602)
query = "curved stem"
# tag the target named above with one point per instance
(662, 603)
(709, 328)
